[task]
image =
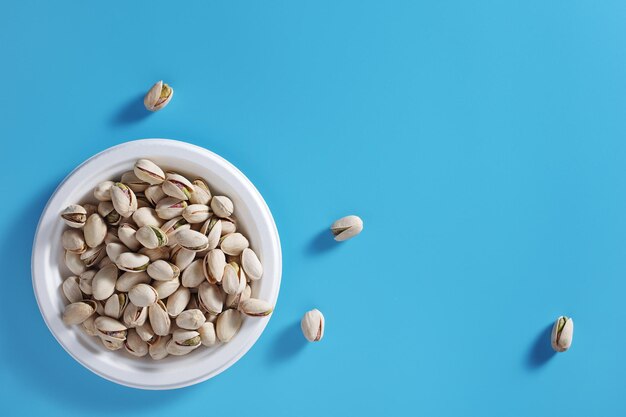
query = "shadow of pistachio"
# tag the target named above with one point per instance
(132, 111)
(540, 351)
(287, 344)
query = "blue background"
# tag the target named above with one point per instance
(483, 143)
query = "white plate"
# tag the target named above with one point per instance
(48, 269)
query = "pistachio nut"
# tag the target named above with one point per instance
(251, 264)
(158, 96)
(103, 283)
(222, 206)
(234, 244)
(346, 228)
(73, 241)
(163, 271)
(95, 230)
(233, 300)
(74, 216)
(155, 254)
(157, 350)
(207, 334)
(126, 233)
(228, 324)
(135, 345)
(232, 281)
(128, 280)
(123, 199)
(146, 333)
(193, 275)
(115, 305)
(562, 333)
(154, 194)
(74, 263)
(111, 236)
(142, 201)
(108, 328)
(102, 192)
(132, 262)
(177, 302)
(211, 298)
(151, 237)
(104, 262)
(149, 172)
(88, 325)
(192, 240)
(147, 216)
(166, 288)
(177, 186)
(196, 213)
(255, 308)
(186, 338)
(190, 319)
(135, 316)
(312, 325)
(182, 257)
(228, 226)
(172, 226)
(170, 207)
(90, 209)
(200, 193)
(85, 280)
(213, 265)
(112, 344)
(133, 182)
(99, 307)
(93, 255)
(114, 250)
(108, 213)
(78, 312)
(159, 319)
(143, 295)
(71, 289)
(212, 228)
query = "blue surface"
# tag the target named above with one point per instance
(483, 143)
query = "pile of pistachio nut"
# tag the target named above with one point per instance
(159, 266)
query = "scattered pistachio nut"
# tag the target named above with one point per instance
(562, 333)
(312, 325)
(158, 96)
(346, 227)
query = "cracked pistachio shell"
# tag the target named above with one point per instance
(177, 302)
(233, 282)
(186, 338)
(93, 255)
(175, 349)
(159, 319)
(74, 263)
(151, 237)
(254, 307)
(126, 234)
(228, 324)
(84, 281)
(192, 240)
(134, 183)
(102, 191)
(128, 280)
(196, 213)
(132, 262)
(73, 241)
(157, 350)
(222, 206)
(78, 312)
(148, 171)
(193, 275)
(161, 270)
(88, 325)
(228, 226)
(166, 288)
(146, 333)
(562, 334)
(158, 96)
(200, 193)
(108, 213)
(213, 265)
(147, 216)
(156, 253)
(312, 325)
(154, 194)
(211, 298)
(71, 289)
(134, 316)
(233, 244)
(207, 334)
(114, 250)
(177, 186)
(135, 345)
(233, 300)
(74, 216)
(143, 295)
(123, 199)
(190, 319)
(115, 305)
(182, 257)
(95, 230)
(170, 207)
(212, 229)
(103, 283)
(346, 228)
(108, 328)
(113, 344)
(172, 226)
(251, 264)
(99, 307)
